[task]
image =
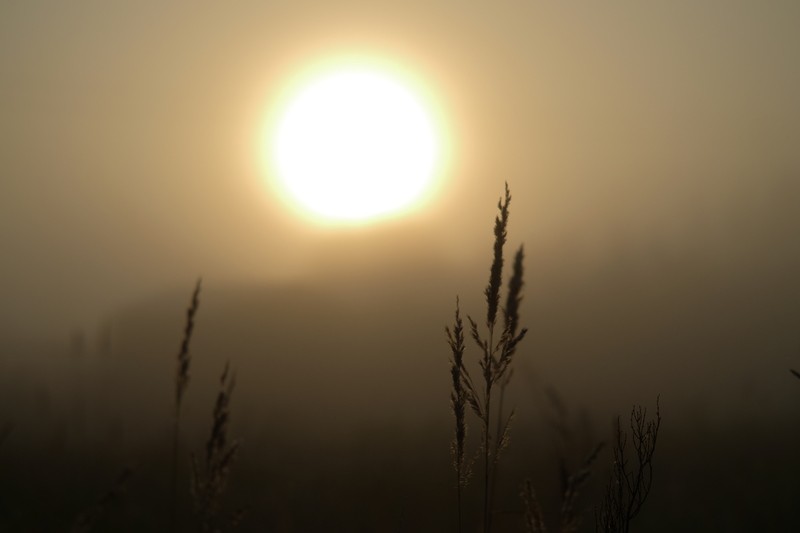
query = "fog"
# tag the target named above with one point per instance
(651, 152)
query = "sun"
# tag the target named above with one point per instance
(355, 144)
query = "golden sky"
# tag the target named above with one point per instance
(129, 143)
(653, 153)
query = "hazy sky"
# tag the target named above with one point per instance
(630, 133)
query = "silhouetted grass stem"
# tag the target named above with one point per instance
(184, 360)
(496, 355)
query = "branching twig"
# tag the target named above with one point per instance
(629, 487)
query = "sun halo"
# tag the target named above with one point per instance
(354, 145)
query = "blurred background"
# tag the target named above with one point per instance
(651, 152)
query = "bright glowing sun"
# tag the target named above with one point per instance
(354, 145)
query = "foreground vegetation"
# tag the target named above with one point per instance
(629, 483)
(213, 489)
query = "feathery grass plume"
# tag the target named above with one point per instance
(87, 520)
(209, 485)
(492, 290)
(514, 297)
(629, 487)
(509, 343)
(458, 400)
(184, 360)
(184, 356)
(496, 354)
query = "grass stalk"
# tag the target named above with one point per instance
(458, 400)
(184, 360)
(209, 484)
(496, 356)
(511, 325)
(492, 293)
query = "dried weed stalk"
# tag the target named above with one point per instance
(458, 401)
(629, 485)
(497, 351)
(184, 356)
(208, 483)
(184, 360)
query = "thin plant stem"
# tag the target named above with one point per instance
(497, 352)
(458, 400)
(498, 437)
(181, 383)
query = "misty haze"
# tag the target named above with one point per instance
(230, 267)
